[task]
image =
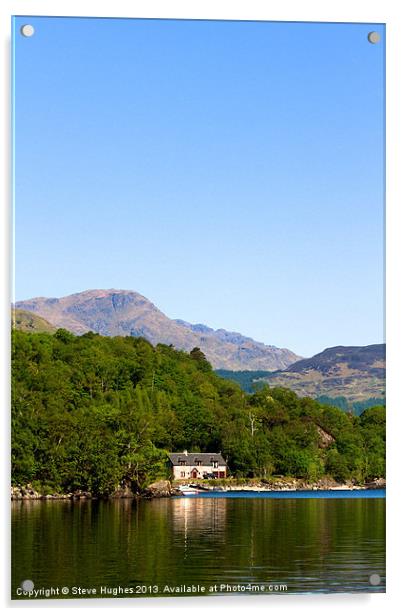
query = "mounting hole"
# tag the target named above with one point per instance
(27, 30)
(374, 37)
(28, 585)
(374, 579)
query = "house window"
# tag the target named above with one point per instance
(198, 463)
(215, 464)
(182, 462)
(183, 474)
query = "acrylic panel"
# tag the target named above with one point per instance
(198, 355)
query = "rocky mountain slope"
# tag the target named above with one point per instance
(29, 322)
(356, 373)
(127, 313)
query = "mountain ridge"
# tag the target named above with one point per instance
(113, 312)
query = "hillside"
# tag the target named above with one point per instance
(26, 321)
(355, 373)
(92, 413)
(127, 313)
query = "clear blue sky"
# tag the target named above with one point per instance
(230, 172)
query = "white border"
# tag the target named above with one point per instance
(380, 11)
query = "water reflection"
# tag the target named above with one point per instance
(201, 518)
(310, 544)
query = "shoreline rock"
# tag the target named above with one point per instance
(376, 483)
(158, 489)
(29, 493)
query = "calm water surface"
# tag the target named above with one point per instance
(312, 542)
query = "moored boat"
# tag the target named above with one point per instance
(188, 490)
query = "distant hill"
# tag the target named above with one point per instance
(26, 321)
(343, 361)
(127, 313)
(348, 377)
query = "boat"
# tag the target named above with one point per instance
(188, 490)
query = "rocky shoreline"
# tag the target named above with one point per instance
(158, 489)
(165, 489)
(300, 484)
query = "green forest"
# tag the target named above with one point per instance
(93, 413)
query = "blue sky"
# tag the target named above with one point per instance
(231, 172)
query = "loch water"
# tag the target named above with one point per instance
(222, 543)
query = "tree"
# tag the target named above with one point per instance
(197, 355)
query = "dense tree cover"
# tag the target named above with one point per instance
(355, 407)
(92, 412)
(247, 379)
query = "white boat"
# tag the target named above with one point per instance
(187, 490)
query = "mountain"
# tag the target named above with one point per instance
(354, 373)
(127, 313)
(26, 321)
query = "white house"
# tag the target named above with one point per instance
(187, 465)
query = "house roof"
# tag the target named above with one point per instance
(191, 459)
